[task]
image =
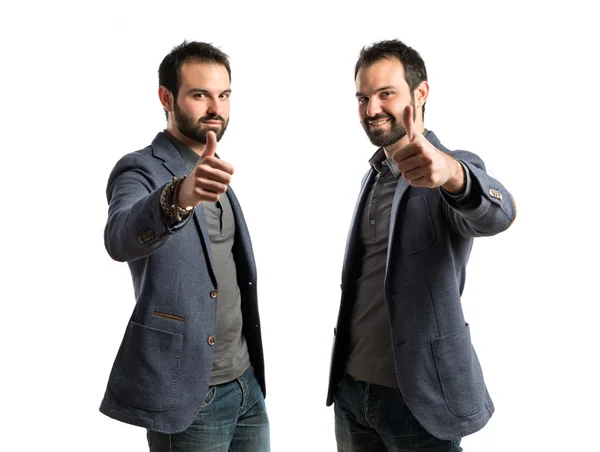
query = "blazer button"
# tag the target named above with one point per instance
(495, 194)
(211, 340)
(145, 235)
(214, 294)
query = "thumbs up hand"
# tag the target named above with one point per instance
(423, 165)
(208, 180)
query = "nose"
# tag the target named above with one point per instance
(374, 107)
(213, 107)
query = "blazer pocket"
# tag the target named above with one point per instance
(418, 232)
(146, 369)
(459, 372)
(169, 316)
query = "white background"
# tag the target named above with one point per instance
(515, 82)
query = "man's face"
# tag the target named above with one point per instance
(382, 94)
(202, 102)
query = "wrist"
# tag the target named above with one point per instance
(169, 203)
(176, 197)
(457, 182)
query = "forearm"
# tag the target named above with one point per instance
(468, 198)
(489, 208)
(457, 182)
(134, 229)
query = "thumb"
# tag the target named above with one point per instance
(409, 123)
(211, 144)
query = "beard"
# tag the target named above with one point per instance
(193, 129)
(395, 133)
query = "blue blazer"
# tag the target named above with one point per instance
(438, 373)
(161, 373)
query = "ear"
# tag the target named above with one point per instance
(421, 94)
(166, 98)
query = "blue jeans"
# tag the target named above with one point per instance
(233, 418)
(372, 418)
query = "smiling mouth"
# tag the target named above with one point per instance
(379, 122)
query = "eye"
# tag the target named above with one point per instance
(361, 100)
(199, 96)
(385, 94)
(225, 95)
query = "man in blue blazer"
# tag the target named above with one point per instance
(190, 367)
(404, 374)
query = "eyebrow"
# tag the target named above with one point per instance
(205, 91)
(383, 88)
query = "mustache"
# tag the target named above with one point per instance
(378, 117)
(212, 118)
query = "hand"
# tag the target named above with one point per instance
(422, 165)
(208, 180)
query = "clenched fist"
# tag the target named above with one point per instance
(208, 180)
(423, 165)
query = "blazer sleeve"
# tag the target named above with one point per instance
(135, 227)
(494, 209)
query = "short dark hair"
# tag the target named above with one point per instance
(170, 67)
(414, 66)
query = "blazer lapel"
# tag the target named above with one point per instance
(202, 226)
(172, 161)
(242, 235)
(355, 225)
(398, 194)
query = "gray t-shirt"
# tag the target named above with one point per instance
(231, 357)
